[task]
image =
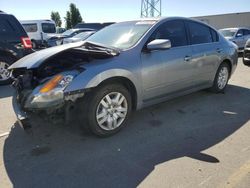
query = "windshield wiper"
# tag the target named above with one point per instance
(98, 47)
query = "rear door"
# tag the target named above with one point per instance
(167, 71)
(206, 51)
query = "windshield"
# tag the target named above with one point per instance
(68, 32)
(121, 35)
(48, 27)
(83, 35)
(228, 32)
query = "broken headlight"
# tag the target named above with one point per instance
(50, 94)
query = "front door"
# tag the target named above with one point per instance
(167, 71)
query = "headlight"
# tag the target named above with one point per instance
(59, 81)
(51, 94)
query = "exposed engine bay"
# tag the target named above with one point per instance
(41, 89)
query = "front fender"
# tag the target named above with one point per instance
(91, 79)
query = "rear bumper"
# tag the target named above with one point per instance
(22, 117)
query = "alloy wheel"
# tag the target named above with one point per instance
(223, 77)
(112, 111)
(4, 72)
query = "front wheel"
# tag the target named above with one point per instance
(108, 109)
(221, 78)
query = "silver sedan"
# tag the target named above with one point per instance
(123, 67)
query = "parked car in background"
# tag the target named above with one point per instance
(58, 40)
(246, 53)
(60, 30)
(239, 36)
(14, 44)
(39, 31)
(79, 37)
(128, 65)
(94, 26)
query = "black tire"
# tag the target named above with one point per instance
(8, 60)
(246, 62)
(215, 88)
(91, 103)
(34, 44)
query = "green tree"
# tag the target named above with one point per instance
(68, 24)
(73, 16)
(57, 18)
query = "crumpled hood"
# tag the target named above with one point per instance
(35, 59)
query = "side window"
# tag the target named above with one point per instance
(30, 27)
(240, 32)
(246, 32)
(199, 33)
(173, 31)
(48, 28)
(214, 35)
(6, 27)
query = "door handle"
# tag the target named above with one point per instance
(218, 50)
(187, 58)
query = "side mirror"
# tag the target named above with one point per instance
(239, 35)
(159, 44)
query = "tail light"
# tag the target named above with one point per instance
(26, 42)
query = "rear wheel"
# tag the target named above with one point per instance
(108, 109)
(5, 76)
(221, 78)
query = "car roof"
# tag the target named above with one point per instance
(37, 21)
(163, 19)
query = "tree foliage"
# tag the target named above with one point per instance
(57, 18)
(73, 16)
(68, 24)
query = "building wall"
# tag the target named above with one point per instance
(227, 20)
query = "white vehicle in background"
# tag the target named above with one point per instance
(39, 31)
(239, 36)
(79, 37)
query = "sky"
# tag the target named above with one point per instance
(111, 10)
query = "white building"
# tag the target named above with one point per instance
(227, 20)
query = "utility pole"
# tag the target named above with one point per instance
(150, 8)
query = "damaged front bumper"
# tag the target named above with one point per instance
(22, 117)
(53, 104)
(62, 110)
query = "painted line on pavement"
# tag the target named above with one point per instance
(4, 134)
